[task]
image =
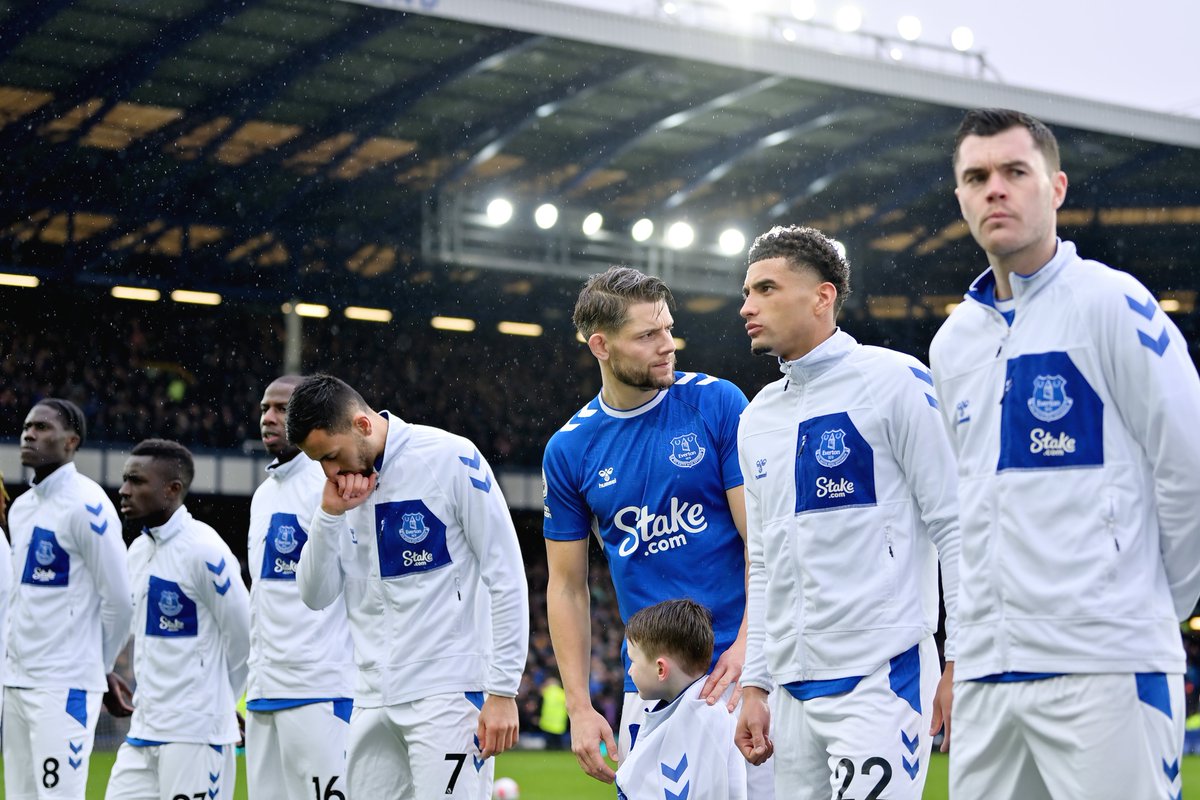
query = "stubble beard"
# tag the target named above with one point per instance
(642, 378)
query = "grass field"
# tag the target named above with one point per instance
(555, 776)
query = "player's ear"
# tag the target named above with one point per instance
(598, 344)
(361, 423)
(664, 668)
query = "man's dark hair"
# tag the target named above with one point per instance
(604, 301)
(993, 121)
(322, 402)
(805, 248)
(70, 414)
(175, 458)
(680, 629)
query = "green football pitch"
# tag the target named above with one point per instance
(555, 776)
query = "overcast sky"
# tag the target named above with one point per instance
(1142, 53)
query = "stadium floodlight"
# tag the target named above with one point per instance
(1170, 305)
(545, 216)
(592, 223)
(453, 324)
(670, 9)
(24, 281)
(135, 293)
(579, 338)
(314, 310)
(520, 328)
(896, 53)
(679, 343)
(848, 19)
(731, 241)
(680, 235)
(196, 298)
(642, 230)
(909, 28)
(365, 314)
(962, 38)
(788, 34)
(841, 248)
(499, 211)
(804, 10)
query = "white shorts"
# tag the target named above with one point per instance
(415, 751)
(175, 771)
(872, 741)
(293, 750)
(760, 780)
(1108, 735)
(48, 737)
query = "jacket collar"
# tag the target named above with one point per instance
(820, 359)
(398, 435)
(1024, 287)
(281, 471)
(171, 528)
(54, 480)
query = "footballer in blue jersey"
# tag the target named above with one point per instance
(650, 467)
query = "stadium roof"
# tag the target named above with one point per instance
(346, 152)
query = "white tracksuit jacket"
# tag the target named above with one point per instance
(191, 633)
(70, 610)
(850, 485)
(6, 584)
(295, 652)
(684, 749)
(432, 574)
(1078, 438)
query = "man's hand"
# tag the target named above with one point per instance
(347, 491)
(726, 671)
(118, 699)
(498, 725)
(588, 730)
(943, 700)
(752, 736)
(241, 730)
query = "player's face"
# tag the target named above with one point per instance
(644, 673)
(1008, 195)
(781, 308)
(45, 440)
(146, 493)
(272, 422)
(642, 353)
(339, 453)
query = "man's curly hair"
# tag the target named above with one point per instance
(805, 248)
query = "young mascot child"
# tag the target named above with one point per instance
(685, 748)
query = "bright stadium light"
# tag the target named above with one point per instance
(789, 34)
(453, 324)
(680, 235)
(896, 53)
(909, 28)
(670, 9)
(135, 293)
(24, 281)
(499, 211)
(679, 343)
(804, 10)
(963, 38)
(642, 230)
(731, 241)
(520, 328)
(314, 310)
(841, 248)
(592, 223)
(198, 298)
(365, 314)
(545, 216)
(848, 19)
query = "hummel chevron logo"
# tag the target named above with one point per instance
(922, 375)
(222, 588)
(683, 793)
(913, 768)
(676, 772)
(1146, 309)
(75, 748)
(1159, 345)
(912, 743)
(213, 792)
(101, 528)
(214, 778)
(215, 569)
(1177, 796)
(75, 763)
(474, 463)
(476, 760)
(94, 510)
(931, 400)
(1171, 770)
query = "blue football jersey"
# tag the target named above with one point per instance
(651, 482)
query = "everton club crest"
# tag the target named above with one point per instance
(285, 539)
(686, 451)
(1050, 401)
(413, 528)
(833, 449)
(168, 603)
